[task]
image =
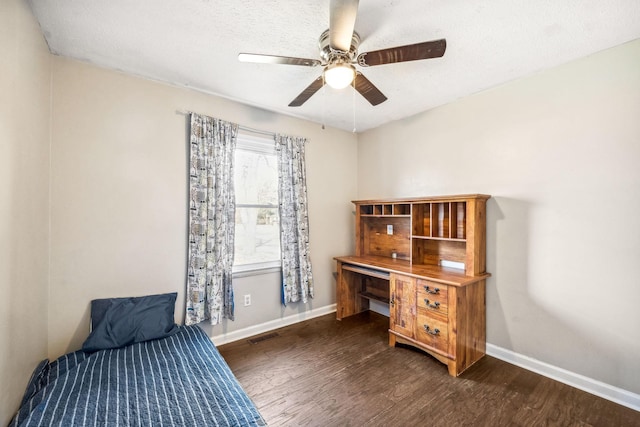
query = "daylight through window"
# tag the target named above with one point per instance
(257, 239)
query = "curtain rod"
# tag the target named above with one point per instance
(240, 127)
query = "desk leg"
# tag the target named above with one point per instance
(339, 285)
(342, 294)
(348, 288)
(392, 340)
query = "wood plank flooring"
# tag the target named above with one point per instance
(324, 372)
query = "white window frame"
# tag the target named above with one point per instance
(263, 145)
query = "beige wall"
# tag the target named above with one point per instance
(559, 152)
(24, 200)
(119, 197)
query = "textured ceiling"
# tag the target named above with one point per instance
(195, 43)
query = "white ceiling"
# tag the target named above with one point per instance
(195, 43)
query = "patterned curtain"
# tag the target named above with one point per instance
(297, 281)
(211, 220)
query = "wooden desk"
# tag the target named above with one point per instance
(439, 310)
(401, 245)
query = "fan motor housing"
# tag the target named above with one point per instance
(330, 55)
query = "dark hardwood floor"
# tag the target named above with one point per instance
(324, 372)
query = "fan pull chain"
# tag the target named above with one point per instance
(353, 99)
(324, 102)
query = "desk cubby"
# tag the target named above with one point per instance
(385, 209)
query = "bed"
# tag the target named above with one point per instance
(177, 380)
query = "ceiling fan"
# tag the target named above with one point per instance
(339, 53)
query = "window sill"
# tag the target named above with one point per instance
(255, 270)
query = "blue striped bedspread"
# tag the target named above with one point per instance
(181, 380)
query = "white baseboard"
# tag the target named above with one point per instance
(598, 388)
(261, 328)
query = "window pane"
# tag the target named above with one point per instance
(256, 178)
(257, 237)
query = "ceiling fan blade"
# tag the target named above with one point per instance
(273, 59)
(410, 52)
(368, 90)
(342, 21)
(308, 92)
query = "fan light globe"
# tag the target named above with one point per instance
(339, 76)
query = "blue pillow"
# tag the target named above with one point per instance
(118, 322)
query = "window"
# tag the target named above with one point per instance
(257, 239)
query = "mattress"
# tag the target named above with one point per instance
(181, 380)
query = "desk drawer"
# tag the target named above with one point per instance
(432, 331)
(433, 297)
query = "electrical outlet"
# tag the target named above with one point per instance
(390, 229)
(247, 300)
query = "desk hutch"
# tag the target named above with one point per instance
(425, 257)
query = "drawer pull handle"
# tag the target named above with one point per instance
(436, 305)
(430, 331)
(431, 291)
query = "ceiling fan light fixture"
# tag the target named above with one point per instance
(339, 75)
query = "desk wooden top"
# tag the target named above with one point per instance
(448, 276)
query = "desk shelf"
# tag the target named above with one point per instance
(424, 231)
(371, 296)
